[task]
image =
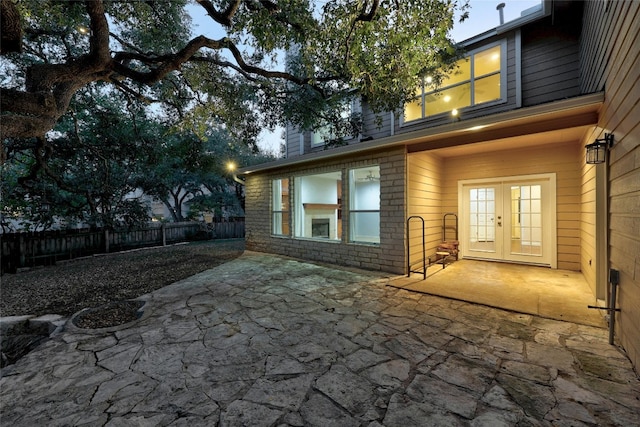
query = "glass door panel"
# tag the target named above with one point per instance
(503, 220)
(526, 220)
(482, 219)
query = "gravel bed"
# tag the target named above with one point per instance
(100, 281)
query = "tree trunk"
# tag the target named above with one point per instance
(10, 27)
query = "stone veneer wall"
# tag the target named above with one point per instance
(387, 256)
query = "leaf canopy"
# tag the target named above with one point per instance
(151, 51)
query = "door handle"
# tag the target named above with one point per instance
(499, 223)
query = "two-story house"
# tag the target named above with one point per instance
(501, 145)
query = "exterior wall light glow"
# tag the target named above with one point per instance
(597, 151)
(231, 167)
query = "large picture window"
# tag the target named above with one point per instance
(318, 206)
(364, 205)
(477, 79)
(280, 207)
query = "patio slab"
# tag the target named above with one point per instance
(270, 341)
(545, 292)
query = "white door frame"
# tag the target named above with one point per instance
(549, 194)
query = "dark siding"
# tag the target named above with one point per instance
(599, 40)
(375, 126)
(512, 83)
(550, 61)
(292, 141)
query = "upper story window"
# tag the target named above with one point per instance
(477, 79)
(327, 133)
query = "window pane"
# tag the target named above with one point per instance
(365, 227)
(455, 89)
(318, 206)
(536, 191)
(325, 133)
(487, 62)
(481, 219)
(365, 188)
(280, 206)
(461, 73)
(284, 199)
(281, 223)
(487, 89)
(413, 110)
(364, 195)
(320, 136)
(448, 99)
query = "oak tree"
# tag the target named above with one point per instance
(232, 73)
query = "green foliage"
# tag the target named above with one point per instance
(377, 49)
(92, 158)
(21, 209)
(214, 100)
(160, 26)
(384, 58)
(187, 170)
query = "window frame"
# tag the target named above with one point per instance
(299, 214)
(275, 213)
(352, 203)
(317, 138)
(471, 81)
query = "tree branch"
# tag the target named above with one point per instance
(275, 11)
(49, 87)
(364, 16)
(223, 18)
(368, 16)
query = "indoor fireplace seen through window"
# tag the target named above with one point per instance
(318, 206)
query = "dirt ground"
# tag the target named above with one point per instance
(71, 286)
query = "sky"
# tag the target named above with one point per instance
(483, 16)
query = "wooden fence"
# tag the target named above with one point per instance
(19, 250)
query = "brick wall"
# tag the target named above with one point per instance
(387, 256)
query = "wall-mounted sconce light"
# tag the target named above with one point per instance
(597, 151)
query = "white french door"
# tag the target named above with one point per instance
(509, 219)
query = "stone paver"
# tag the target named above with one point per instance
(269, 341)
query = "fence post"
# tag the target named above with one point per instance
(164, 234)
(22, 251)
(106, 241)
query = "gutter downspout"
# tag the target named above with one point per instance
(614, 275)
(613, 278)
(236, 179)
